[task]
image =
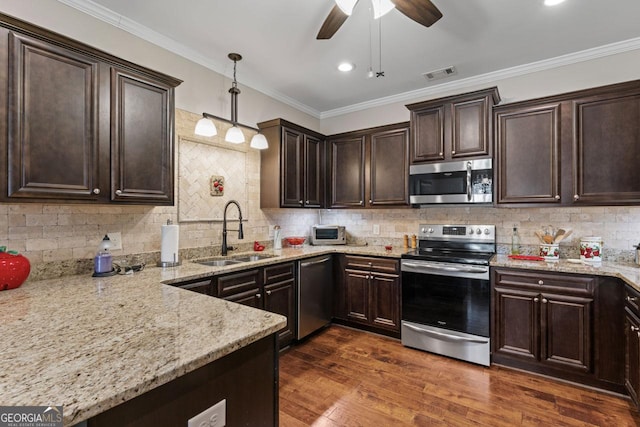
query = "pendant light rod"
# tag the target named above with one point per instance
(234, 91)
(231, 122)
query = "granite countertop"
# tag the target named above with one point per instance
(89, 344)
(628, 272)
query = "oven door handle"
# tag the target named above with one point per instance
(446, 336)
(468, 181)
(447, 268)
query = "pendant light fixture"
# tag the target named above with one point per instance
(206, 127)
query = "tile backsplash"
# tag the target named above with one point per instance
(62, 239)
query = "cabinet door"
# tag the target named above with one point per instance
(566, 323)
(528, 154)
(141, 139)
(389, 168)
(53, 122)
(632, 355)
(385, 301)
(236, 283)
(606, 151)
(291, 180)
(427, 134)
(470, 128)
(280, 298)
(314, 172)
(347, 172)
(516, 323)
(357, 295)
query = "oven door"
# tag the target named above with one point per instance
(451, 296)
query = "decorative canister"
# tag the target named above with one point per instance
(550, 252)
(591, 249)
(14, 269)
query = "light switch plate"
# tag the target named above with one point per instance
(376, 228)
(215, 416)
(116, 241)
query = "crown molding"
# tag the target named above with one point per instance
(145, 33)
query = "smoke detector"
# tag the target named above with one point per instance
(440, 74)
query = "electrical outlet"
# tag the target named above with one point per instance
(215, 416)
(116, 241)
(376, 228)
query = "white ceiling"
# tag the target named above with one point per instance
(282, 58)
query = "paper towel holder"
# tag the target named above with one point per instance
(173, 263)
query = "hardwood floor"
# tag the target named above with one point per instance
(345, 377)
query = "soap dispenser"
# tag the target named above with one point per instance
(103, 261)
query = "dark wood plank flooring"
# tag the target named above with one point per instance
(345, 377)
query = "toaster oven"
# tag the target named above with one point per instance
(328, 235)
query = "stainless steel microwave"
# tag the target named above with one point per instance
(328, 235)
(460, 182)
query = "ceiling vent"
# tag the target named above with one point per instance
(440, 74)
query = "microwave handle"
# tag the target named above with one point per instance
(468, 181)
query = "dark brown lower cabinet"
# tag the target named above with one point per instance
(368, 294)
(246, 378)
(632, 344)
(562, 325)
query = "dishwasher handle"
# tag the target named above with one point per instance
(320, 261)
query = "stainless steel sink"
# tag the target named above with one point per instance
(219, 262)
(255, 257)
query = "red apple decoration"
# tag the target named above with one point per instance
(14, 269)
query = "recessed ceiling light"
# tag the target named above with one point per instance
(552, 2)
(345, 67)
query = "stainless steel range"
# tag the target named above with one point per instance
(446, 292)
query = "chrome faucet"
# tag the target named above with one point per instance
(226, 248)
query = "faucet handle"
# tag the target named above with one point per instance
(230, 248)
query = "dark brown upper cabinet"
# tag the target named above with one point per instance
(579, 148)
(528, 154)
(452, 128)
(81, 125)
(292, 169)
(369, 167)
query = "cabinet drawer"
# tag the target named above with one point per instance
(381, 265)
(202, 286)
(235, 283)
(632, 300)
(560, 283)
(279, 273)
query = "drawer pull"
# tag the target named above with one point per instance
(631, 299)
(536, 299)
(634, 328)
(540, 282)
(258, 296)
(268, 293)
(544, 300)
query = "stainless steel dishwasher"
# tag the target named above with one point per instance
(315, 294)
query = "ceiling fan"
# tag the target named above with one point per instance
(422, 11)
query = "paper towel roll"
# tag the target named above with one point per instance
(169, 245)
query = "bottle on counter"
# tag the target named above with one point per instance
(277, 238)
(103, 261)
(515, 242)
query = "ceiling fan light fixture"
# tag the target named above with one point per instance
(234, 135)
(346, 5)
(259, 142)
(381, 7)
(205, 127)
(552, 2)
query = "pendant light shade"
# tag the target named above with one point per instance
(205, 127)
(259, 142)
(234, 135)
(381, 7)
(347, 5)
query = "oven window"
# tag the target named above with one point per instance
(453, 303)
(326, 233)
(433, 184)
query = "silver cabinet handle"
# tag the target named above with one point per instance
(557, 197)
(268, 292)
(536, 299)
(118, 192)
(544, 300)
(258, 296)
(96, 191)
(308, 202)
(540, 282)
(300, 201)
(576, 197)
(453, 151)
(634, 328)
(631, 299)
(361, 203)
(440, 153)
(370, 201)
(445, 336)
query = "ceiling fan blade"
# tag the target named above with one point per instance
(422, 11)
(333, 22)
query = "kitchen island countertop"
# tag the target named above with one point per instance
(89, 344)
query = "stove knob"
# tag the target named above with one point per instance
(471, 231)
(486, 231)
(431, 231)
(478, 231)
